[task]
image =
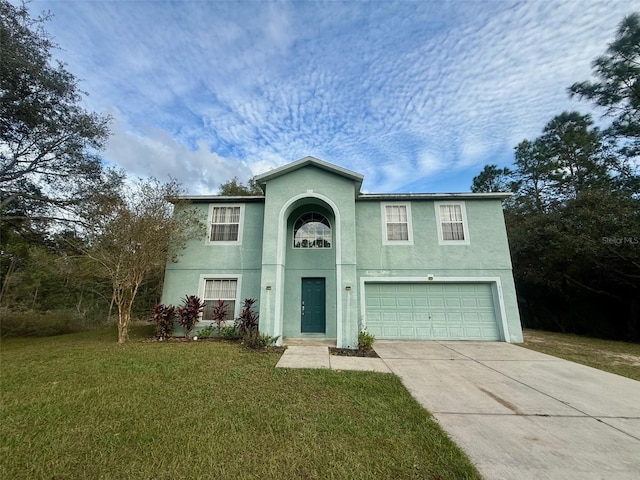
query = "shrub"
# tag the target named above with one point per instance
(219, 313)
(205, 332)
(189, 313)
(247, 327)
(257, 341)
(164, 317)
(229, 332)
(33, 323)
(248, 319)
(365, 340)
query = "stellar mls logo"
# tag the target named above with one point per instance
(621, 240)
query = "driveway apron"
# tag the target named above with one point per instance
(521, 414)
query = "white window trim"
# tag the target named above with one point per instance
(216, 276)
(465, 226)
(383, 216)
(240, 225)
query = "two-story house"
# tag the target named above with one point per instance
(324, 260)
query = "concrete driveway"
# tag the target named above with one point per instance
(521, 414)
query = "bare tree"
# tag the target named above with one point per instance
(133, 238)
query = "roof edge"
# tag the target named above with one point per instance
(217, 198)
(434, 196)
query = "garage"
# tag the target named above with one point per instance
(431, 311)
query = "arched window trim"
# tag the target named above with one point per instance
(325, 241)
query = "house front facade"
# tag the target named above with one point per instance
(325, 261)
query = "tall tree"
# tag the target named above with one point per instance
(132, 238)
(573, 231)
(617, 87)
(573, 147)
(493, 179)
(534, 175)
(235, 188)
(48, 142)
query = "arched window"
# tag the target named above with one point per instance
(312, 230)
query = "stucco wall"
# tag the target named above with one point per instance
(199, 258)
(487, 254)
(283, 269)
(270, 270)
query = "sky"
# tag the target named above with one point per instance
(416, 96)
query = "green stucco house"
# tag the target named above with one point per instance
(324, 260)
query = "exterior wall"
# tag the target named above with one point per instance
(486, 256)
(283, 269)
(199, 259)
(270, 270)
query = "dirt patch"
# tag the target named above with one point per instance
(624, 358)
(348, 352)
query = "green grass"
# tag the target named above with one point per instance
(81, 406)
(622, 358)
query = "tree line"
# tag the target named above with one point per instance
(78, 241)
(574, 218)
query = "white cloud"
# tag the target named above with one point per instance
(402, 92)
(154, 152)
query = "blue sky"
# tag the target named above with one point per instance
(416, 96)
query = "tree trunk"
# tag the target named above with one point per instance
(124, 317)
(124, 297)
(5, 283)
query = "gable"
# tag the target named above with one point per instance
(304, 163)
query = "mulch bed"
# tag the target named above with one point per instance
(348, 352)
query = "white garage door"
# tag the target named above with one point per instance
(431, 311)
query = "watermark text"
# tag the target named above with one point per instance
(621, 240)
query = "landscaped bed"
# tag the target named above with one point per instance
(81, 406)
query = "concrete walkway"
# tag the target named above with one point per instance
(520, 414)
(299, 356)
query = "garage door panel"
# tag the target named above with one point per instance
(436, 302)
(447, 311)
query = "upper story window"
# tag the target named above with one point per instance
(396, 224)
(312, 230)
(225, 224)
(452, 223)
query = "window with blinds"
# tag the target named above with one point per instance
(224, 289)
(396, 223)
(452, 222)
(225, 224)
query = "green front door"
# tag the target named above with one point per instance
(313, 306)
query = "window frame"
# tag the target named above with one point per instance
(293, 232)
(465, 226)
(201, 291)
(210, 224)
(383, 216)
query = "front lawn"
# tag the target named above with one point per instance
(81, 406)
(622, 358)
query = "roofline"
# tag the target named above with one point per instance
(218, 198)
(361, 197)
(434, 196)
